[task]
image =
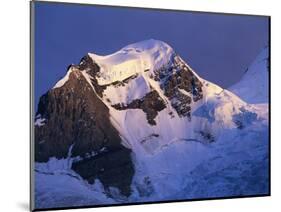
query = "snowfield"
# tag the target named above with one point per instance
(256, 74)
(132, 59)
(222, 151)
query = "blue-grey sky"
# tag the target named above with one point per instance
(218, 47)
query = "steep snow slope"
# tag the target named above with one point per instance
(63, 189)
(189, 137)
(253, 87)
(165, 155)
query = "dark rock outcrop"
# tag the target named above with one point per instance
(113, 168)
(181, 86)
(151, 104)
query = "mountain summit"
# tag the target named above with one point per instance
(137, 125)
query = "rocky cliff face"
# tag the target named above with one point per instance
(75, 123)
(181, 86)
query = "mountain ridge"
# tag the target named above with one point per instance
(116, 128)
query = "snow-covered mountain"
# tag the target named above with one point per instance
(253, 87)
(141, 125)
